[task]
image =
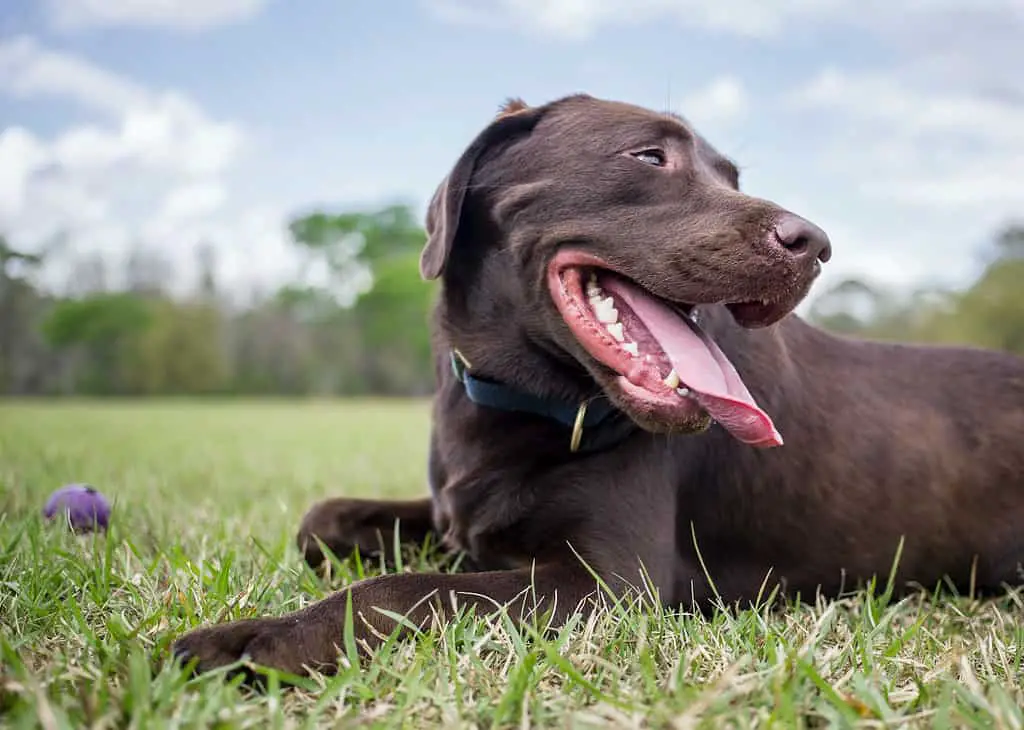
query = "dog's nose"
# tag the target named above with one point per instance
(802, 238)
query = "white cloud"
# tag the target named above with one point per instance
(920, 145)
(883, 99)
(920, 173)
(155, 130)
(578, 19)
(192, 201)
(187, 15)
(147, 166)
(168, 134)
(975, 185)
(27, 69)
(252, 247)
(20, 155)
(722, 101)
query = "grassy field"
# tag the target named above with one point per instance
(208, 497)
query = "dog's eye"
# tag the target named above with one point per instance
(652, 157)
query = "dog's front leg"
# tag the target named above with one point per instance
(344, 525)
(313, 637)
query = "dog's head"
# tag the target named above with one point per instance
(592, 232)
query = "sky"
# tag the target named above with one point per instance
(896, 126)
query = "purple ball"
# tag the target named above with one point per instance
(84, 507)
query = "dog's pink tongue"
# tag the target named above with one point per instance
(704, 369)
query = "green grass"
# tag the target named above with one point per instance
(208, 497)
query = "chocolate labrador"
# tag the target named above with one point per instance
(624, 394)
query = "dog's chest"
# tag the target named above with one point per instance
(489, 518)
(503, 513)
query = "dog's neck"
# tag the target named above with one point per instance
(500, 373)
(591, 425)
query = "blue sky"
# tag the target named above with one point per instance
(898, 128)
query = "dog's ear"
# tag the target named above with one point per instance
(445, 212)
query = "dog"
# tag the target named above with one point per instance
(625, 398)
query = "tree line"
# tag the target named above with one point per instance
(987, 312)
(140, 339)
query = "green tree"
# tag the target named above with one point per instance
(99, 329)
(20, 303)
(385, 327)
(988, 313)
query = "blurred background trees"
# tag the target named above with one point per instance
(140, 339)
(988, 312)
(362, 329)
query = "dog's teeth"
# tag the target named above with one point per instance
(672, 379)
(632, 348)
(593, 290)
(606, 311)
(615, 330)
(684, 391)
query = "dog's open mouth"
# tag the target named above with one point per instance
(667, 366)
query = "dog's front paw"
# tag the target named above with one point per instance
(270, 643)
(343, 526)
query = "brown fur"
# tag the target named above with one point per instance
(883, 442)
(513, 105)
